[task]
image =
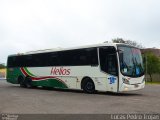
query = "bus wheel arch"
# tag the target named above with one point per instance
(88, 85)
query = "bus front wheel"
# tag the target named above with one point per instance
(88, 85)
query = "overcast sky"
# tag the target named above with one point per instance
(27, 25)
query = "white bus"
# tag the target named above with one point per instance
(102, 67)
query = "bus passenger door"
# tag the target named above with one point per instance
(109, 66)
(112, 71)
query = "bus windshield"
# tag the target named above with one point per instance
(130, 61)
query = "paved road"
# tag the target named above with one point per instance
(14, 99)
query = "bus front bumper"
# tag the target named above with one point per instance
(130, 87)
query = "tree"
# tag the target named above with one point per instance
(2, 65)
(152, 64)
(118, 40)
(133, 43)
(129, 42)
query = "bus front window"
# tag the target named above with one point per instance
(130, 61)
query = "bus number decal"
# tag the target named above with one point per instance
(112, 80)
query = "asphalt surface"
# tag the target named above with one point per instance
(16, 100)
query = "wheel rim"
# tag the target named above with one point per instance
(89, 86)
(28, 82)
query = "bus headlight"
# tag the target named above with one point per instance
(125, 81)
(126, 89)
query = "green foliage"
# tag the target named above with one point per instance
(118, 40)
(2, 66)
(129, 42)
(152, 64)
(152, 82)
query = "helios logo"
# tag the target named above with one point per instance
(60, 71)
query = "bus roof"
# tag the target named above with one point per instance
(71, 48)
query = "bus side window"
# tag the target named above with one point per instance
(11, 61)
(92, 56)
(79, 57)
(53, 59)
(29, 61)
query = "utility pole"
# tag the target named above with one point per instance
(146, 66)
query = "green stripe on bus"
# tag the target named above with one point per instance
(49, 83)
(30, 74)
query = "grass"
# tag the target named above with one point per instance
(2, 72)
(152, 82)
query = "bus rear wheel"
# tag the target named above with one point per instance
(21, 81)
(88, 86)
(28, 82)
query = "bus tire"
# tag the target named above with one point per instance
(88, 86)
(28, 82)
(21, 81)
